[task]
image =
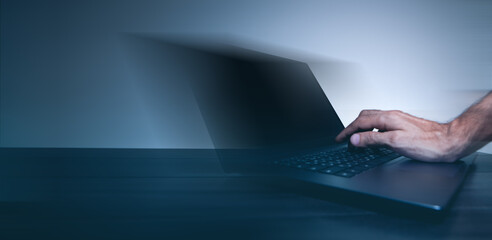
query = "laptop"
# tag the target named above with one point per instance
(268, 116)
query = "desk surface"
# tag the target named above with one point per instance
(139, 194)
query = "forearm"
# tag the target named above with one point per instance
(472, 129)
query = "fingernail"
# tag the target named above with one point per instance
(355, 139)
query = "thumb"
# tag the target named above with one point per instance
(367, 139)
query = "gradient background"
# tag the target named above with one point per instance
(69, 77)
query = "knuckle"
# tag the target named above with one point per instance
(393, 115)
(394, 112)
(373, 140)
(368, 139)
(398, 112)
(383, 118)
(393, 139)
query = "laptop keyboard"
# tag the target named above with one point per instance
(340, 162)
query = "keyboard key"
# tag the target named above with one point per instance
(354, 171)
(331, 170)
(345, 174)
(315, 168)
(301, 166)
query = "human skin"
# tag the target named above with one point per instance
(422, 139)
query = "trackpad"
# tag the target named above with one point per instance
(429, 169)
(415, 181)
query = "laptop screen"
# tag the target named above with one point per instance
(253, 100)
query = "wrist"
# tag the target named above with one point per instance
(458, 140)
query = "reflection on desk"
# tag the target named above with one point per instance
(139, 194)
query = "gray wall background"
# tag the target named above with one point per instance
(70, 79)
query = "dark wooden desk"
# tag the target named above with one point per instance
(183, 194)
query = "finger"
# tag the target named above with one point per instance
(382, 120)
(362, 123)
(370, 139)
(350, 129)
(369, 112)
